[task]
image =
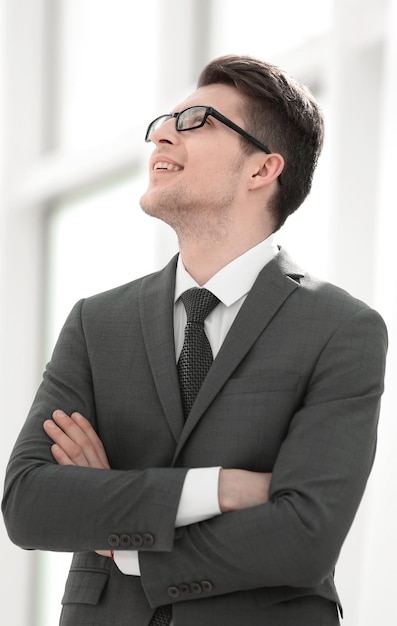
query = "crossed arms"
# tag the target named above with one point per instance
(283, 531)
(77, 443)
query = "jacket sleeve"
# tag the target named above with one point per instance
(318, 480)
(67, 508)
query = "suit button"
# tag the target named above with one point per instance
(184, 589)
(148, 539)
(206, 586)
(114, 541)
(125, 541)
(136, 540)
(195, 587)
(173, 592)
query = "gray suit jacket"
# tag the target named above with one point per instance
(295, 390)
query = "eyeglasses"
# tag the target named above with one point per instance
(195, 117)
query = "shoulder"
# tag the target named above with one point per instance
(116, 295)
(126, 298)
(321, 298)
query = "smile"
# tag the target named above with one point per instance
(164, 165)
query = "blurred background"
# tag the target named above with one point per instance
(79, 82)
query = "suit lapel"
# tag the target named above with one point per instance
(274, 285)
(157, 309)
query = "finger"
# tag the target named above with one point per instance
(107, 553)
(72, 450)
(89, 431)
(84, 442)
(60, 456)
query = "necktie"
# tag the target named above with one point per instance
(196, 356)
(162, 616)
(193, 365)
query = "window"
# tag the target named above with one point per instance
(83, 80)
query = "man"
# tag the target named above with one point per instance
(229, 506)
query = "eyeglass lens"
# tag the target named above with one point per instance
(159, 121)
(190, 118)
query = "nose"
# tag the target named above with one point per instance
(166, 133)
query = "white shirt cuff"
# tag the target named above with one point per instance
(199, 501)
(127, 562)
(199, 498)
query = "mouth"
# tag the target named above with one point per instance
(167, 166)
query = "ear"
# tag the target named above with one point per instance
(266, 170)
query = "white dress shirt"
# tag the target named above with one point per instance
(199, 497)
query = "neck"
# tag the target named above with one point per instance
(203, 259)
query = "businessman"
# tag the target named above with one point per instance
(203, 436)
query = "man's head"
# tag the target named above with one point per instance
(237, 156)
(201, 180)
(280, 112)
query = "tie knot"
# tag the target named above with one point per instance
(198, 304)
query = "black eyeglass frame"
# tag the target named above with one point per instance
(218, 116)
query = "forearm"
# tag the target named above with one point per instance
(264, 546)
(75, 509)
(208, 492)
(235, 552)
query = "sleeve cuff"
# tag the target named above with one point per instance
(127, 562)
(199, 498)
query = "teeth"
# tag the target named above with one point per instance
(163, 165)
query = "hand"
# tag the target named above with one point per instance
(107, 553)
(240, 489)
(75, 441)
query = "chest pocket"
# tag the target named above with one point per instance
(263, 382)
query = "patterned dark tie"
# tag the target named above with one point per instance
(193, 365)
(196, 356)
(162, 616)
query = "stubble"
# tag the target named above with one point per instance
(194, 215)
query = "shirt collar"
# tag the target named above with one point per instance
(234, 280)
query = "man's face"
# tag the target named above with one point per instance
(197, 175)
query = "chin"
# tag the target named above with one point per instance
(158, 202)
(155, 207)
(148, 203)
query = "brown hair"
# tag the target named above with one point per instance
(283, 114)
